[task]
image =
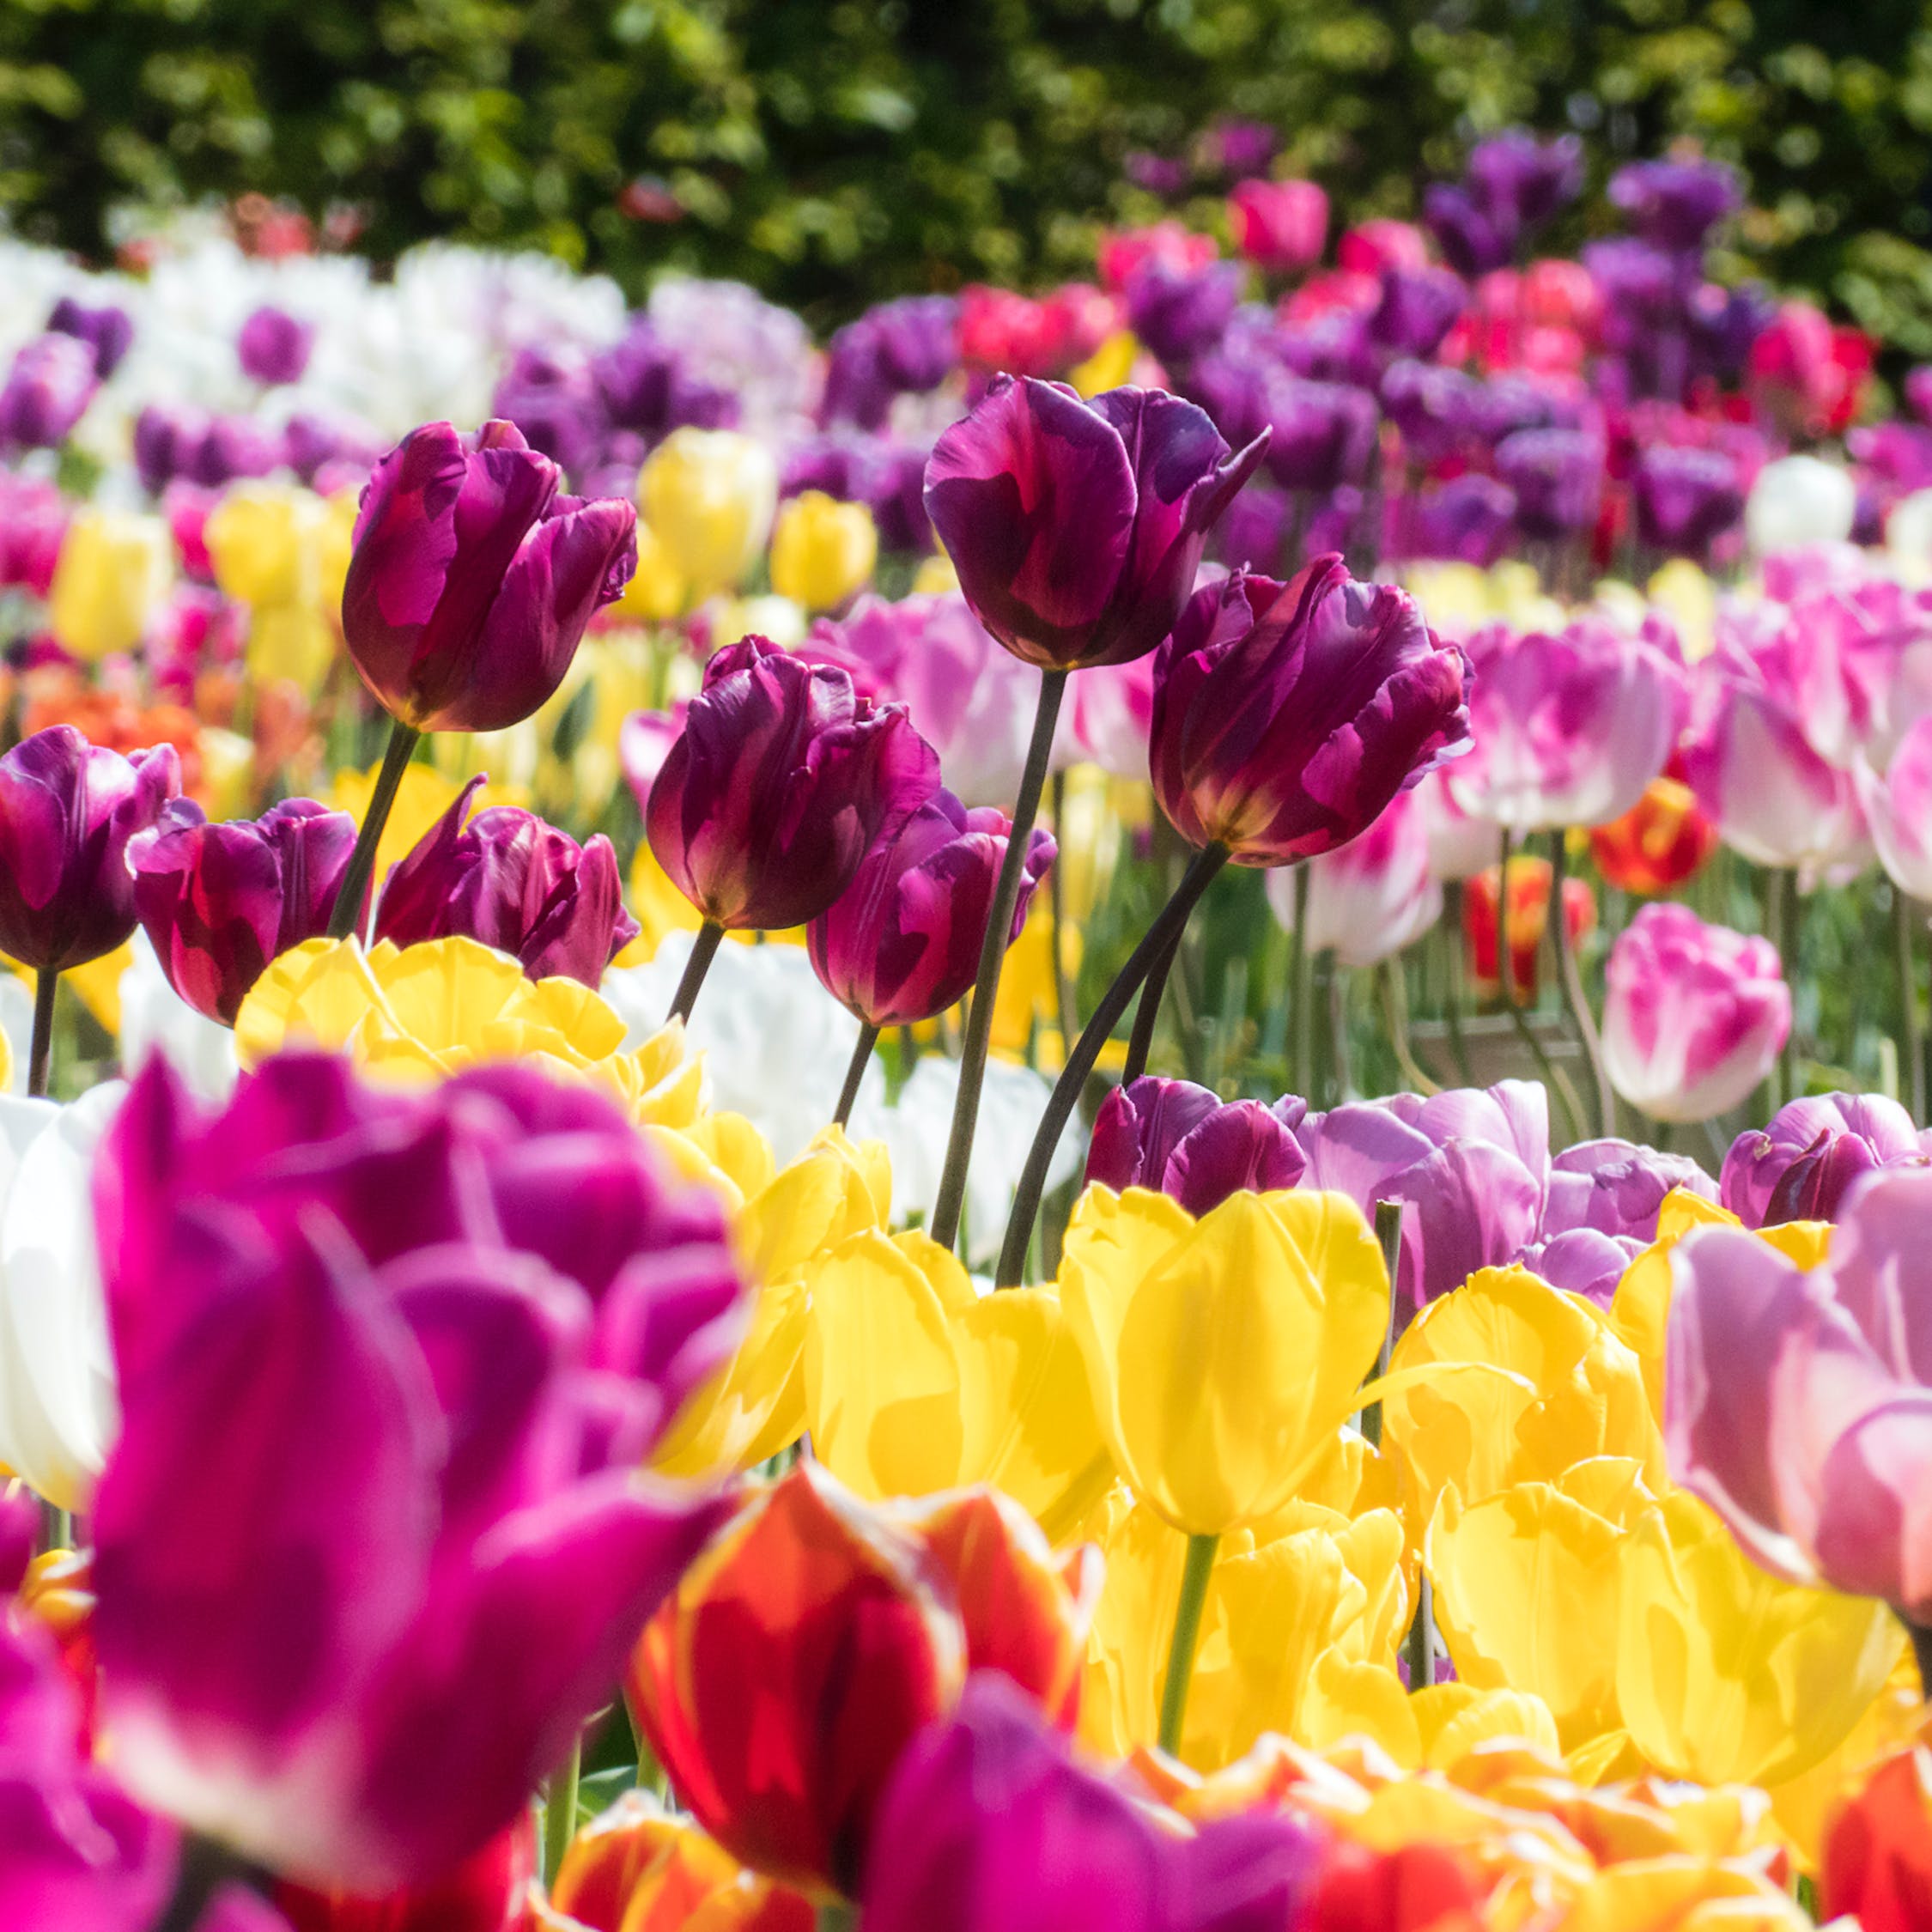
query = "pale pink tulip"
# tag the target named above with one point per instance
(1898, 810)
(1371, 898)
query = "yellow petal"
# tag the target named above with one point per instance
(319, 994)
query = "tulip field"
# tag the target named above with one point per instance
(1097, 1108)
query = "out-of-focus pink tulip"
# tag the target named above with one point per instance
(1897, 807)
(1459, 845)
(1370, 898)
(1693, 1015)
(1799, 1405)
(1279, 226)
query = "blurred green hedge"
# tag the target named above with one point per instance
(834, 151)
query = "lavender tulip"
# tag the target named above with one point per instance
(779, 782)
(47, 392)
(1685, 498)
(1675, 204)
(1417, 309)
(900, 348)
(901, 942)
(1524, 182)
(1076, 527)
(553, 401)
(1557, 476)
(1182, 1141)
(374, 1541)
(513, 882)
(220, 902)
(1801, 1167)
(647, 387)
(1287, 716)
(108, 331)
(471, 580)
(1471, 519)
(273, 347)
(1182, 313)
(1618, 1188)
(1322, 433)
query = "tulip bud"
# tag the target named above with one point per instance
(108, 331)
(901, 942)
(222, 902)
(782, 778)
(273, 346)
(514, 883)
(471, 580)
(709, 496)
(114, 573)
(1287, 716)
(1800, 1167)
(1661, 841)
(52, 380)
(68, 810)
(781, 1682)
(1179, 1141)
(823, 552)
(1693, 1015)
(1076, 527)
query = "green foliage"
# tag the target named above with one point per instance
(833, 151)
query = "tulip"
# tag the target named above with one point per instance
(1279, 226)
(388, 1365)
(273, 346)
(512, 882)
(1898, 808)
(781, 779)
(1525, 924)
(484, 1893)
(1675, 204)
(1660, 842)
(823, 552)
(1798, 501)
(1557, 476)
(1369, 899)
(1076, 527)
(709, 496)
(901, 942)
(47, 392)
(1601, 1210)
(1179, 1139)
(1694, 1016)
(114, 573)
(1287, 716)
(107, 330)
(1321, 434)
(220, 902)
(1801, 1167)
(1566, 730)
(1877, 1868)
(1419, 1887)
(781, 1681)
(1685, 498)
(1181, 312)
(1468, 519)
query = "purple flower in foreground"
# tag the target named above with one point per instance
(1800, 1167)
(1184, 1141)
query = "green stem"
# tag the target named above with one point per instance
(1301, 973)
(559, 1810)
(1080, 1062)
(1186, 1634)
(1912, 1038)
(1147, 1013)
(344, 918)
(1772, 924)
(1419, 1646)
(704, 950)
(1388, 1238)
(204, 1869)
(1790, 944)
(861, 1055)
(951, 1200)
(1056, 906)
(1570, 975)
(1395, 1009)
(1452, 1004)
(39, 1058)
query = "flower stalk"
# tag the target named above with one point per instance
(354, 886)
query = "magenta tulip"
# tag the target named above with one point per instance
(273, 346)
(374, 1540)
(68, 810)
(1076, 527)
(1693, 1015)
(1801, 1166)
(514, 883)
(220, 902)
(1183, 1141)
(901, 942)
(1287, 716)
(1279, 226)
(472, 579)
(781, 781)
(47, 392)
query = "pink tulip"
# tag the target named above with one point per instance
(1279, 226)
(1371, 898)
(1693, 1015)
(1459, 846)
(1797, 1404)
(1567, 729)
(1898, 810)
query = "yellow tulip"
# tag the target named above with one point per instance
(1223, 1353)
(422, 799)
(780, 619)
(835, 1190)
(115, 570)
(656, 591)
(1455, 1720)
(822, 552)
(1517, 1381)
(708, 496)
(265, 541)
(98, 982)
(1724, 1673)
(1108, 366)
(935, 577)
(1689, 598)
(1676, 1893)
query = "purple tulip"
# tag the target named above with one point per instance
(646, 387)
(220, 902)
(512, 882)
(274, 346)
(1523, 182)
(1618, 1188)
(1182, 313)
(1182, 1141)
(1685, 498)
(1472, 241)
(1802, 1165)
(1255, 532)
(47, 392)
(471, 580)
(1286, 717)
(903, 348)
(214, 450)
(1557, 476)
(1470, 1165)
(1438, 409)
(1418, 307)
(374, 1540)
(781, 780)
(554, 402)
(989, 1824)
(901, 942)
(1322, 434)
(1675, 204)
(68, 810)
(1468, 519)
(1076, 527)
(1583, 1262)
(108, 331)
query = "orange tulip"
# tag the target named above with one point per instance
(1529, 918)
(1661, 842)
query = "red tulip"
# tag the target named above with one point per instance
(484, 1893)
(1878, 1856)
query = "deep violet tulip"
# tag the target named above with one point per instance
(1183, 1140)
(47, 392)
(470, 579)
(901, 942)
(108, 331)
(376, 1538)
(1076, 527)
(274, 346)
(1287, 716)
(222, 902)
(514, 883)
(780, 780)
